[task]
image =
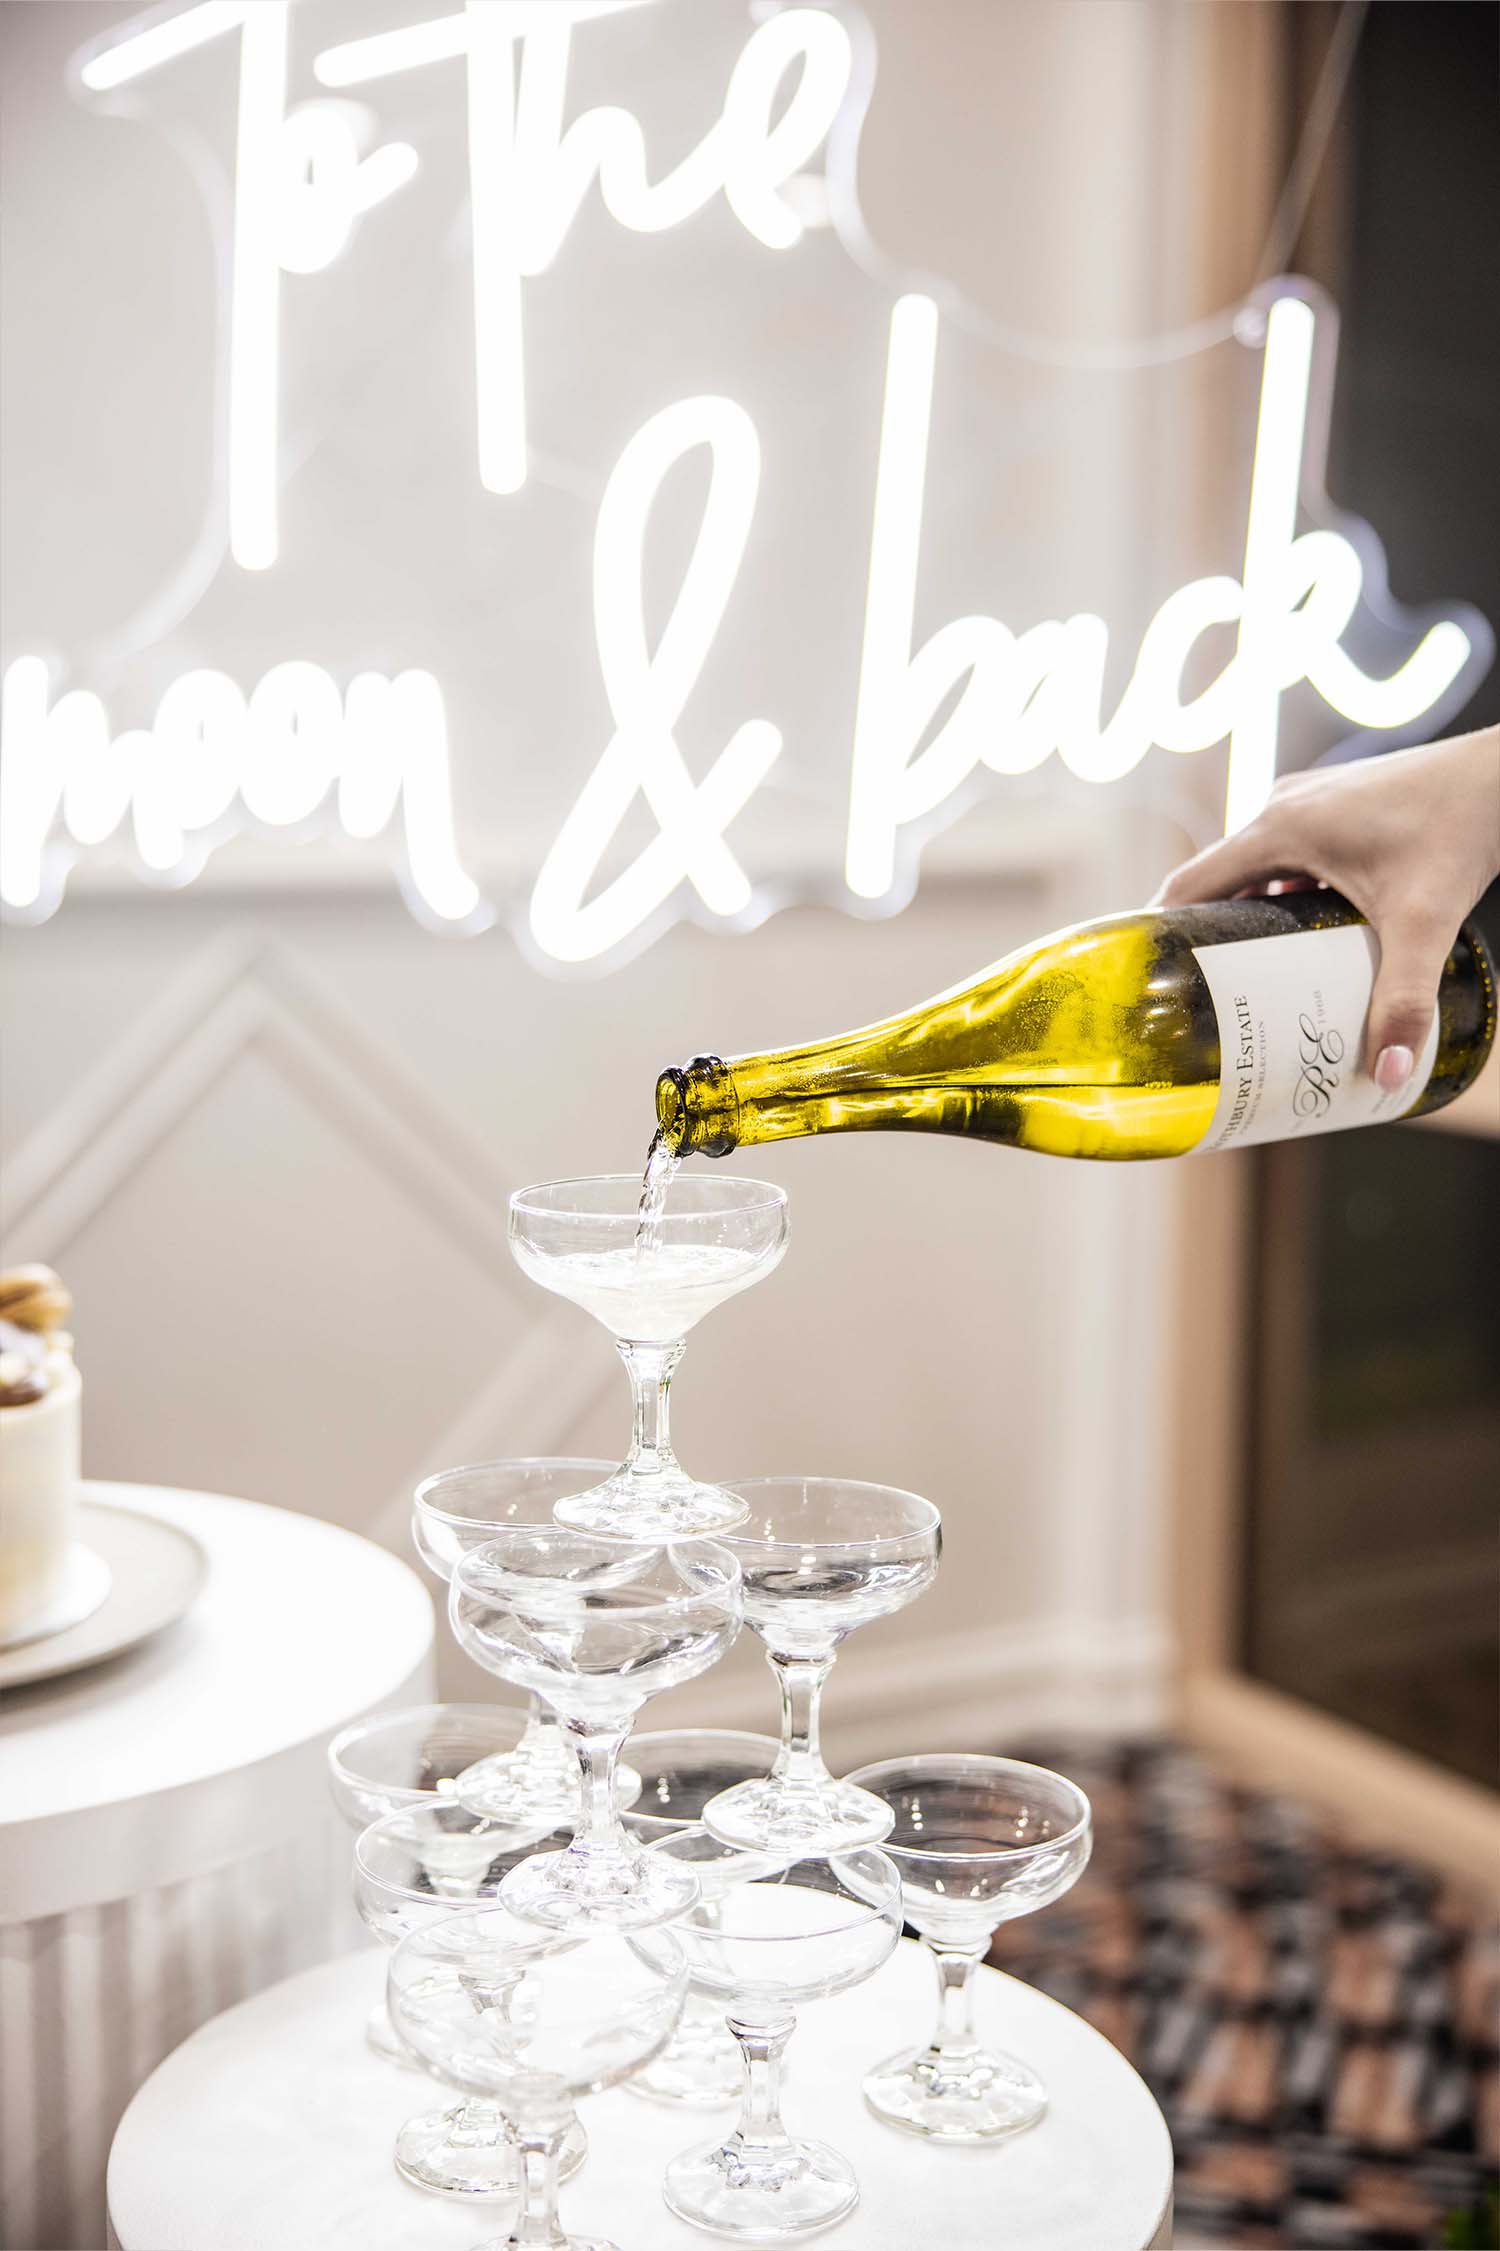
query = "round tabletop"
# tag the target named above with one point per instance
(167, 1760)
(271, 2130)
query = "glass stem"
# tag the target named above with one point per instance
(542, 1737)
(649, 1367)
(760, 2136)
(598, 1834)
(475, 2125)
(953, 2039)
(800, 1680)
(536, 2224)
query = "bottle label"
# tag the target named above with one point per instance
(1292, 1016)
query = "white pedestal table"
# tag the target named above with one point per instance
(167, 1843)
(271, 2130)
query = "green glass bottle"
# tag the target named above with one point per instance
(1144, 1035)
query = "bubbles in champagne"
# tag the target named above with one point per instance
(650, 1295)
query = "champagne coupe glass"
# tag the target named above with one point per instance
(680, 1771)
(410, 1758)
(456, 1512)
(778, 1936)
(978, 1841)
(595, 1627)
(414, 1868)
(819, 1556)
(529, 2022)
(649, 1284)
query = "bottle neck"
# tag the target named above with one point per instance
(697, 1110)
(711, 1108)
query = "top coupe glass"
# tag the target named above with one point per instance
(583, 1240)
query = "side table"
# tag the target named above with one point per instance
(271, 2130)
(167, 1844)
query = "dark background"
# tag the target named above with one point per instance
(1373, 1581)
(1416, 434)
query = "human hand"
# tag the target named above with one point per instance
(1411, 839)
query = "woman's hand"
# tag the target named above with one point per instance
(1411, 839)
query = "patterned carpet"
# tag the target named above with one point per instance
(1320, 2024)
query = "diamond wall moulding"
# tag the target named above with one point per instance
(240, 995)
(691, 790)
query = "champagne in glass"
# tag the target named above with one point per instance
(649, 1270)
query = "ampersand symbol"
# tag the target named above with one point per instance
(647, 691)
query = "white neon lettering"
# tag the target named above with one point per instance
(760, 159)
(886, 791)
(1269, 533)
(300, 185)
(131, 56)
(1022, 699)
(203, 747)
(384, 54)
(647, 691)
(1280, 644)
(214, 761)
(31, 782)
(325, 186)
(529, 171)
(279, 754)
(402, 735)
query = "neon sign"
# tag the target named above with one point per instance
(300, 184)
(276, 757)
(295, 754)
(1025, 697)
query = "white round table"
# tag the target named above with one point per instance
(271, 2130)
(167, 1843)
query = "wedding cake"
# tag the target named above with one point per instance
(40, 1391)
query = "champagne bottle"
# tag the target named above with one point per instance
(1143, 1035)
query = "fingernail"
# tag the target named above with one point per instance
(1393, 1067)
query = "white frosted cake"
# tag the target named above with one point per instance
(40, 1392)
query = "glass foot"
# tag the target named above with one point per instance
(521, 1791)
(623, 1895)
(553, 2242)
(517, 1787)
(668, 1505)
(381, 2038)
(973, 2098)
(698, 2069)
(803, 1818)
(467, 2151)
(772, 2199)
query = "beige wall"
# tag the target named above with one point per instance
(266, 1132)
(270, 1153)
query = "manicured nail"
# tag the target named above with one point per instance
(1393, 1067)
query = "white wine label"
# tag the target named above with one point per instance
(1292, 1016)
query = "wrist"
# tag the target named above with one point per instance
(1479, 756)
